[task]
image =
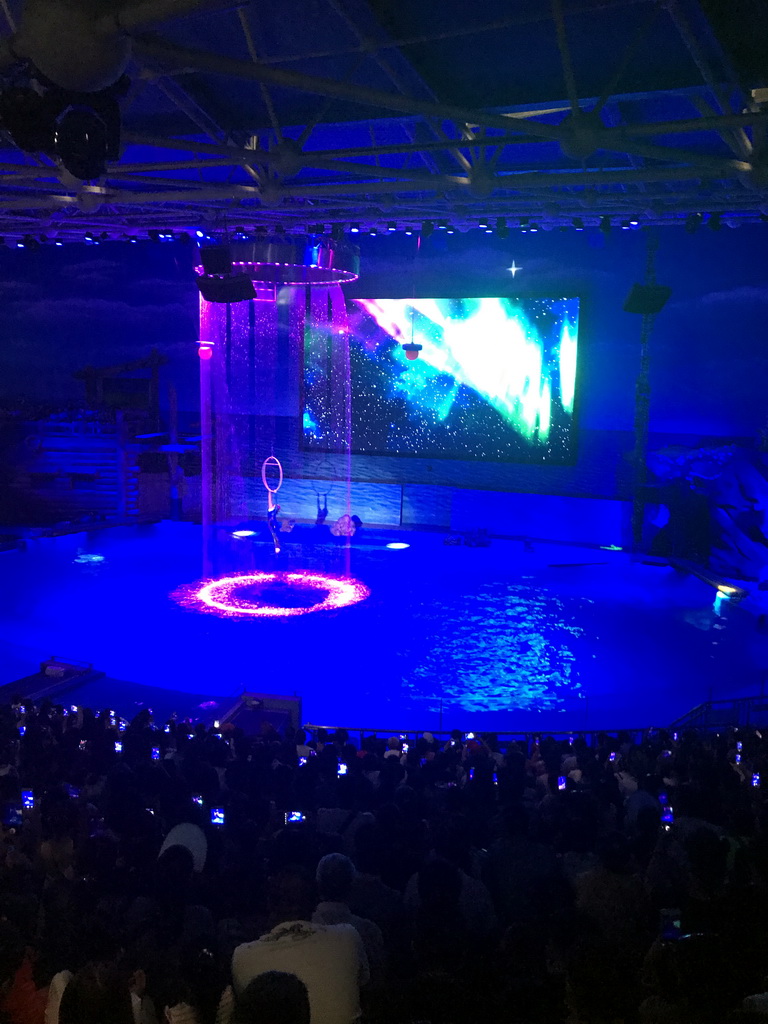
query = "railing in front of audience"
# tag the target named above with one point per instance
(714, 715)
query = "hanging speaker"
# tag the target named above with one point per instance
(647, 298)
(237, 288)
(216, 259)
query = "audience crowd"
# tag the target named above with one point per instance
(181, 873)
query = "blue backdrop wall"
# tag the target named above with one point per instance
(63, 308)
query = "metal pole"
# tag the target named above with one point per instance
(642, 404)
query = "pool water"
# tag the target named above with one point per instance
(503, 637)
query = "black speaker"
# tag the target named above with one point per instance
(238, 288)
(647, 298)
(216, 259)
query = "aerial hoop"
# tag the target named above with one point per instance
(271, 461)
(272, 507)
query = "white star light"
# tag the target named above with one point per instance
(513, 269)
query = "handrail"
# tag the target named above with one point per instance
(744, 710)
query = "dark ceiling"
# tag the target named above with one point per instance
(323, 111)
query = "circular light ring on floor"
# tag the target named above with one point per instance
(221, 596)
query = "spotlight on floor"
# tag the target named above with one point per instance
(397, 545)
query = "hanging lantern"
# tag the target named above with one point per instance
(411, 350)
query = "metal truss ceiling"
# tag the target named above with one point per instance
(339, 119)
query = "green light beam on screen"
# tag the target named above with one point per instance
(494, 349)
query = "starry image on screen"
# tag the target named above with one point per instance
(495, 379)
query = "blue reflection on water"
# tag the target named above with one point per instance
(504, 636)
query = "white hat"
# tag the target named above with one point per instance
(193, 838)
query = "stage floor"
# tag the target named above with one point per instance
(554, 637)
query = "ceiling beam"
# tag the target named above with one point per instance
(209, 63)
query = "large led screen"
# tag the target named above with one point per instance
(495, 379)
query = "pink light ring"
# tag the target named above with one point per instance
(220, 596)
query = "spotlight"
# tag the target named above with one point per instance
(153, 234)
(409, 230)
(373, 231)
(450, 230)
(391, 226)
(578, 223)
(501, 227)
(30, 242)
(411, 350)
(714, 221)
(354, 229)
(482, 224)
(533, 227)
(625, 225)
(442, 225)
(634, 222)
(397, 545)
(90, 238)
(693, 222)
(605, 225)
(337, 232)
(199, 233)
(427, 228)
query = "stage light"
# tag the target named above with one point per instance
(199, 233)
(243, 533)
(578, 223)
(391, 226)
(634, 222)
(693, 222)
(409, 230)
(450, 230)
(533, 227)
(625, 225)
(354, 229)
(715, 222)
(31, 242)
(427, 228)
(442, 225)
(411, 350)
(153, 235)
(398, 546)
(501, 227)
(605, 224)
(373, 232)
(482, 223)
(205, 352)
(724, 589)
